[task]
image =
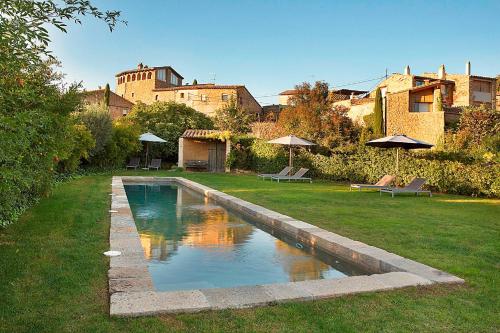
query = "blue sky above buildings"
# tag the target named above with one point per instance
(270, 46)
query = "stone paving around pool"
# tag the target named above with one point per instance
(132, 292)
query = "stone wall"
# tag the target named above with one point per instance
(358, 108)
(425, 126)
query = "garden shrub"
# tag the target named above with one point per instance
(34, 126)
(123, 144)
(370, 164)
(81, 141)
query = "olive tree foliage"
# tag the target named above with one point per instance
(233, 118)
(97, 120)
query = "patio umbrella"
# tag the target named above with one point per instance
(398, 141)
(149, 137)
(291, 141)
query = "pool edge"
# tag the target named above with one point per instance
(132, 292)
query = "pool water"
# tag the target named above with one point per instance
(191, 242)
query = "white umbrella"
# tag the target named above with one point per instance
(149, 137)
(291, 140)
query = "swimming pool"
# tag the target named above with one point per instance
(219, 247)
(192, 242)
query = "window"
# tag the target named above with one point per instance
(484, 86)
(132, 94)
(174, 79)
(225, 97)
(422, 107)
(204, 98)
(419, 83)
(182, 95)
(124, 112)
(149, 75)
(133, 77)
(161, 75)
(128, 78)
(144, 76)
(156, 97)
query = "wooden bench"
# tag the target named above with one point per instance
(196, 164)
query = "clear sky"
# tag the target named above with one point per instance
(270, 46)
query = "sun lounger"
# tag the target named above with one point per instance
(415, 186)
(155, 164)
(134, 162)
(283, 172)
(384, 182)
(297, 176)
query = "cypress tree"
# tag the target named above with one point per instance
(106, 94)
(378, 123)
(195, 82)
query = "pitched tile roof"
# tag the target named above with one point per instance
(198, 133)
(200, 86)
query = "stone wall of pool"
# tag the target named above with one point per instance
(132, 292)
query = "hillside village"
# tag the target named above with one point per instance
(157, 203)
(418, 105)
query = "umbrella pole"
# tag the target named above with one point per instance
(397, 165)
(147, 154)
(290, 162)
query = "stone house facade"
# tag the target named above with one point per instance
(152, 84)
(411, 102)
(118, 106)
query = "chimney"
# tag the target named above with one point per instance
(407, 70)
(140, 66)
(467, 68)
(441, 72)
(352, 95)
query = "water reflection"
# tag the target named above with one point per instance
(192, 242)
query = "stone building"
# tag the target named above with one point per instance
(203, 150)
(421, 105)
(118, 106)
(152, 84)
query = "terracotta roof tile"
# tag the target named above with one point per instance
(198, 133)
(200, 86)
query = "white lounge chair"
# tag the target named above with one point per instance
(283, 172)
(384, 182)
(297, 176)
(415, 186)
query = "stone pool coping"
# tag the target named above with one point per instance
(131, 287)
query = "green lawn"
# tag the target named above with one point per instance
(53, 273)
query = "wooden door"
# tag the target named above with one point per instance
(216, 157)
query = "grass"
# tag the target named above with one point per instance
(53, 273)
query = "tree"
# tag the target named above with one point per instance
(195, 82)
(233, 118)
(36, 129)
(107, 93)
(477, 132)
(311, 116)
(168, 120)
(24, 37)
(97, 119)
(378, 121)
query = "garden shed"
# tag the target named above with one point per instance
(204, 150)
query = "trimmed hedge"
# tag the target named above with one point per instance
(370, 164)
